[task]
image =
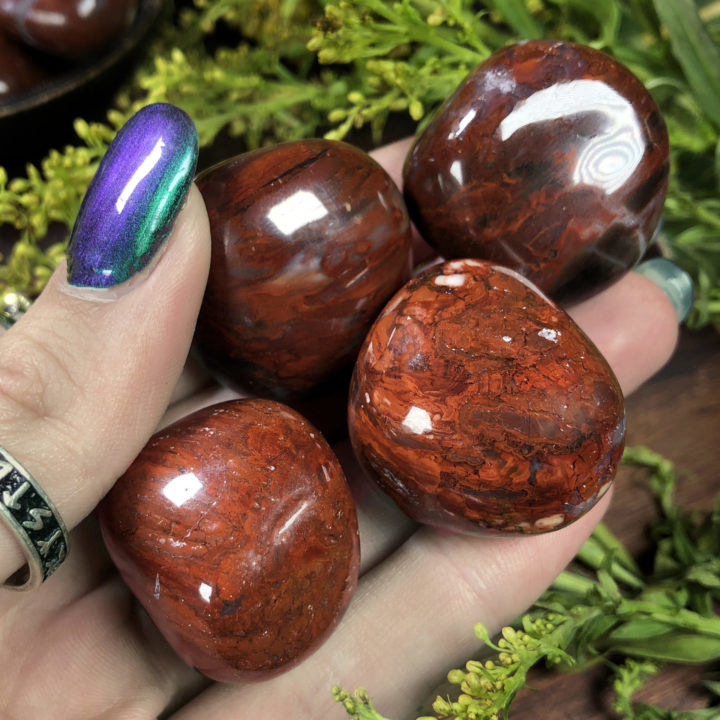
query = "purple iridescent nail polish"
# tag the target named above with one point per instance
(134, 198)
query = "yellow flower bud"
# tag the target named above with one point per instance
(435, 18)
(472, 684)
(416, 110)
(337, 115)
(356, 98)
(441, 706)
(327, 56)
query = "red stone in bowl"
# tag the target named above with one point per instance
(69, 28)
(19, 70)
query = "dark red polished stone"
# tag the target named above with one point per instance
(309, 240)
(550, 158)
(478, 405)
(67, 27)
(236, 530)
(19, 71)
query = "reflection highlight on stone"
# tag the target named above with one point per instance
(292, 520)
(205, 591)
(609, 158)
(300, 209)
(182, 488)
(464, 122)
(417, 421)
(456, 170)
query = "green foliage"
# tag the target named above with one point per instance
(297, 68)
(604, 609)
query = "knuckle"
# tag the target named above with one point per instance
(35, 380)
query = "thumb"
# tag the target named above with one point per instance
(87, 373)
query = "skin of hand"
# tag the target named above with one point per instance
(82, 387)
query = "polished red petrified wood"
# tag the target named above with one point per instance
(550, 158)
(309, 240)
(236, 530)
(478, 405)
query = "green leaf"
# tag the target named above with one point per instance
(703, 576)
(639, 629)
(680, 647)
(694, 50)
(700, 600)
(665, 563)
(685, 549)
(588, 641)
(662, 599)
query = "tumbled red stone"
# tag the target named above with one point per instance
(69, 28)
(309, 240)
(19, 70)
(550, 158)
(236, 530)
(478, 405)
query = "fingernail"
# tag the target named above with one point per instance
(673, 281)
(134, 198)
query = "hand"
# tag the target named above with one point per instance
(83, 384)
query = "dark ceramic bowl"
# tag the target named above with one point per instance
(41, 118)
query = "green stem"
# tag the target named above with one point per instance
(423, 33)
(573, 583)
(602, 545)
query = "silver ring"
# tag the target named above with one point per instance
(35, 523)
(13, 306)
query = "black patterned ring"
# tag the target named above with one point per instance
(34, 521)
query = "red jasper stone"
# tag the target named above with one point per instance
(479, 405)
(236, 530)
(67, 27)
(19, 71)
(309, 240)
(551, 159)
